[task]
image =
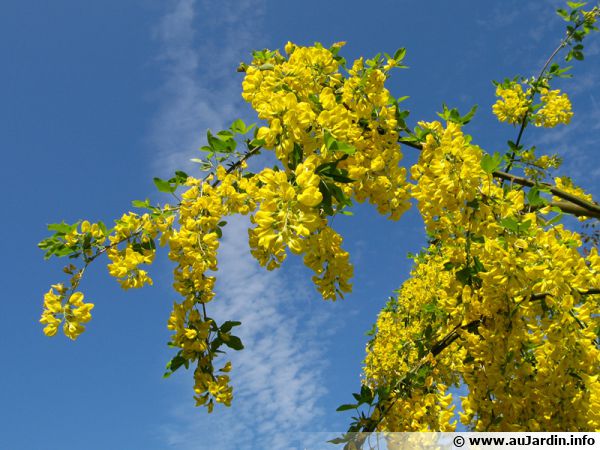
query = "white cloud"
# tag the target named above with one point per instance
(201, 45)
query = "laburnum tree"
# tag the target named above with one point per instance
(502, 301)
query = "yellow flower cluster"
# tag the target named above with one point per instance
(556, 109)
(86, 231)
(393, 359)
(499, 299)
(125, 265)
(207, 385)
(512, 105)
(531, 288)
(286, 215)
(326, 258)
(74, 312)
(305, 99)
(193, 246)
(125, 262)
(191, 332)
(524, 337)
(449, 179)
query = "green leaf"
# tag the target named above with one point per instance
(225, 135)
(338, 194)
(255, 143)
(220, 143)
(325, 204)
(346, 407)
(366, 394)
(555, 219)
(180, 177)
(140, 203)
(467, 117)
(332, 144)
(296, 156)
(514, 147)
(464, 275)
(478, 265)
(175, 364)
(452, 115)
(344, 148)
(239, 127)
(340, 176)
(103, 228)
(339, 440)
(62, 228)
(227, 326)
(477, 239)
(328, 139)
(234, 342)
(164, 185)
(449, 265)
(489, 163)
(534, 198)
(562, 13)
(400, 54)
(266, 66)
(468, 359)
(510, 223)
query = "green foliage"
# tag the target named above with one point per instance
(490, 163)
(453, 115)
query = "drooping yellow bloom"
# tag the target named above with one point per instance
(74, 312)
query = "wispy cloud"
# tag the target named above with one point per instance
(278, 377)
(541, 25)
(201, 44)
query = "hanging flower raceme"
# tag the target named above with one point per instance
(74, 312)
(448, 178)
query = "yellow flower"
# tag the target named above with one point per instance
(556, 109)
(512, 105)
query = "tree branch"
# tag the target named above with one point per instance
(593, 209)
(573, 205)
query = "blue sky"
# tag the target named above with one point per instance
(99, 97)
